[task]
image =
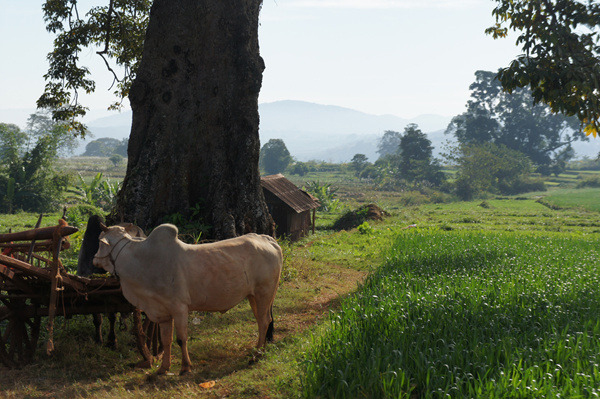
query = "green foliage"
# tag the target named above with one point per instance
(191, 227)
(466, 314)
(325, 193)
(592, 181)
(106, 147)
(369, 172)
(411, 164)
(358, 163)
(78, 215)
(98, 192)
(579, 199)
(299, 168)
(512, 120)
(40, 125)
(365, 228)
(274, 157)
(116, 31)
(28, 180)
(560, 54)
(492, 168)
(585, 164)
(116, 160)
(388, 144)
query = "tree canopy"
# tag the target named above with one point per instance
(415, 161)
(28, 180)
(274, 156)
(115, 30)
(106, 147)
(491, 167)
(388, 143)
(560, 60)
(513, 120)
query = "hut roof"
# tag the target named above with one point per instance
(297, 199)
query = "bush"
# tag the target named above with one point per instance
(365, 228)
(522, 185)
(299, 168)
(593, 181)
(78, 215)
(325, 193)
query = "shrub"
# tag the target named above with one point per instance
(593, 181)
(325, 193)
(78, 215)
(365, 228)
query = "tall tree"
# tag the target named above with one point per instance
(415, 157)
(274, 156)
(560, 60)
(512, 119)
(194, 139)
(28, 180)
(388, 143)
(358, 163)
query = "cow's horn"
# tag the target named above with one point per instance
(103, 227)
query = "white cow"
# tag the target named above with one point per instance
(167, 278)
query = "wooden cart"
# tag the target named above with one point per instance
(34, 286)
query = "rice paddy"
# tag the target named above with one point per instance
(467, 314)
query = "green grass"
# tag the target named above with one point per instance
(587, 198)
(467, 314)
(495, 238)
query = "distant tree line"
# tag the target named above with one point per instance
(106, 147)
(29, 180)
(497, 145)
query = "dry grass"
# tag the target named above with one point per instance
(221, 347)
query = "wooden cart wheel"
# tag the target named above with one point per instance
(18, 333)
(147, 339)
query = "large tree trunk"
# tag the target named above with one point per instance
(194, 139)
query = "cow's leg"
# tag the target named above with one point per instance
(166, 331)
(181, 332)
(97, 327)
(261, 306)
(112, 337)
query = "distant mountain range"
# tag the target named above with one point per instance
(319, 132)
(310, 131)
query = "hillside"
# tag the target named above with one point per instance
(310, 131)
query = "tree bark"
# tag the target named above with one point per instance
(194, 138)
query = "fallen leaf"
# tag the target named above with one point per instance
(207, 384)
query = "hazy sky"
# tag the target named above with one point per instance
(401, 57)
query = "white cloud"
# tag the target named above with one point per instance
(383, 4)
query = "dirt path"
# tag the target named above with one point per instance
(221, 347)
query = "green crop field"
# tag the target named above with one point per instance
(582, 198)
(467, 314)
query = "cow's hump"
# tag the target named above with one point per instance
(164, 232)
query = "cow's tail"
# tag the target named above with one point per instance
(271, 328)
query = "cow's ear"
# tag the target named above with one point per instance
(104, 241)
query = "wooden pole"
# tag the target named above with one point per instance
(57, 237)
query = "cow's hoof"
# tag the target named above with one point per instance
(161, 372)
(256, 356)
(185, 371)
